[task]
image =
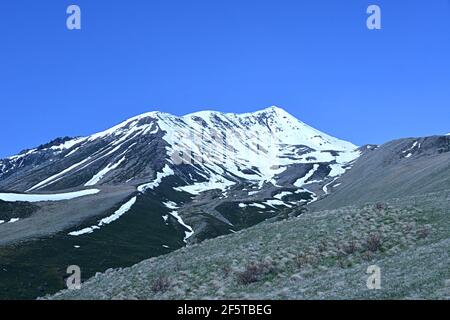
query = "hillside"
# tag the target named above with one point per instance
(318, 255)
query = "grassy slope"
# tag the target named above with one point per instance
(22, 210)
(319, 255)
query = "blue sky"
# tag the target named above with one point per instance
(316, 59)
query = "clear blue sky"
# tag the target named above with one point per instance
(315, 58)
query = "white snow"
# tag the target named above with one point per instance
(121, 211)
(302, 181)
(216, 182)
(273, 203)
(171, 205)
(167, 171)
(80, 165)
(257, 205)
(72, 152)
(68, 144)
(13, 220)
(83, 231)
(411, 148)
(336, 170)
(190, 231)
(57, 176)
(22, 155)
(99, 176)
(282, 194)
(14, 197)
(243, 141)
(325, 187)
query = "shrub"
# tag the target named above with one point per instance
(253, 273)
(226, 271)
(322, 246)
(373, 242)
(349, 247)
(303, 259)
(161, 284)
(343, 263)
(367, 255)
(380, 206)
(423, 233)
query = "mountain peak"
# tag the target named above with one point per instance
(275, 109)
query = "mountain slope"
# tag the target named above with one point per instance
(319, 255)
(257, 162)
(398, 168)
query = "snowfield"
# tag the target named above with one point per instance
(14, 197)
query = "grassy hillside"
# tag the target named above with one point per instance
(318, 255)
(22, 210)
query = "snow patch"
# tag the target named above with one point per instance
(99, 176)
(121, 211)
(167, 171)
(171, 205)
(14, 197)
(190, 231)
(215, 182)
(257, 205)
(302, 181)
(282, 194)
(273, 203)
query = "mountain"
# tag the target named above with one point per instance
(242, 145)
(208, 162)
(157, 182)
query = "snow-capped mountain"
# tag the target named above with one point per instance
(157, 182)
(254, 146)
(257, 162)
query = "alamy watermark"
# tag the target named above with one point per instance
(73, 21)
(374, 20)
(374, 279)
(73, 282)
(201, 144)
